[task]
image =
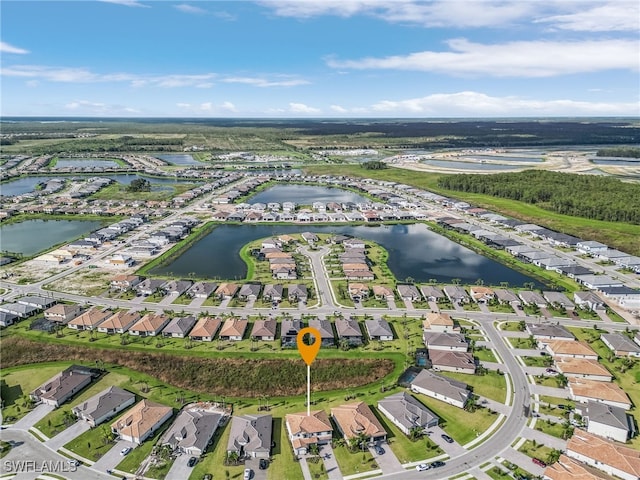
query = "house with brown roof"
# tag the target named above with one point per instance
(306, 430)
(226, 290)
(571, 349)
(119, 322)
(452, 361)
(438, 322)
(233, 329)
(125, 282)
(569, 469)
(358, 291)
(62, 313)
(381, 292)
(605, 392)
(141, 421)
(90, 319)
(610, 457)
(150, 325)
(481, 294)
(205, 329)
(355, 419)
(264, 329)
(449, 341)
(582, 368)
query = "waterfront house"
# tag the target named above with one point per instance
(408, 293)
(226, 291)
(177, 287)
(306, 430)
(202, 289)
(250, 436)
(179, 327)
(125, 282)
(233, 329)
(456, 294)
(505, 296)
(481, 294)
(119, 322)
(441, 388)
(150, 325)
(205, 329)
(249, 291)
(141, 421)
(104, 405)
(149, 286)
(407, 413)
(356, 419)
(432, 293)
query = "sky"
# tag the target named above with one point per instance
(320, 58)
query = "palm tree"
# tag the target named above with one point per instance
(416, 432)
(456, 281)
(479, 282)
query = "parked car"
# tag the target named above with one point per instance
(125, 451)
(192, 461)
(538, 462)
(379, 450)
(447, 438)
(437, 464)
(263, 464)
(422, 467)
(73, 462)
(247, 474)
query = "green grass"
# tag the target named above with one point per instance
(316, 468)
(535, 451)
(491, 385)
(5, 448)
(497, 473)
(550, 428)
(500, 308)
(536, 361)
(53, 424)
(352, 463)
(92, 444)
(523, 343)
(132, 461)
(485, 355)
(546, 381)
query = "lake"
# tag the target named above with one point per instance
(470, 165)
(33, 236)
(306, 195)
(414, 251)
(178, 159)
(84, 163)
(619, 162)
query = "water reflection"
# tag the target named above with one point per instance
(306, 195)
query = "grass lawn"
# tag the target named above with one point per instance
(497, 473)
(547, 381)
(352, 463)
(5, 448)
(520, 342)
(132, 461)
(538, 451)
(491, 385)
(537, 361)
(485, 355)
(53, 423)
(500, 308)
(511, 327)
(93, 443)
(516, 470)
(17, 382)
(550, 428)
(316, 467)
(159, 471)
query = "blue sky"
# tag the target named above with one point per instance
(320, 58)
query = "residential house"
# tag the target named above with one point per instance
(226, 291)
(582, 368)
(233, 329)
(456, 294)
(326, 332)
(205, 329)
(179, 327)
(356, 419)
(408, 293)
(264, 329)
(588, 301)
(604, 392)
(41, 303)
(125, 282)
(609, 422)
(150, 325)
(438, 322)
(532, 298)
(250, 436)
(548, 331)
(558, 300)
(568, 469)
(610, 457)
(62, 386)
(452, 361)
(449, 341)
(378, 329)
(177, 287)
(626, 297)
(119, 322)
(202, 289)
(192, 430)
(289, 332)
(571, 349)
(310, 238)
(598, 282)
(381, 292)
(272, 292)
(141, 421)
(407, 413)
(104, 405)
(149, 286)
(441, 388)
(358, 291)
(19, 310)
(249, 291)
(432, 293)
(297, 292)
(89, 320)
(620, 345)
(62, 313)
(348, 330)
(507, 296)
(354, 243)
(7, 319)
(306, 430)
(481, 294)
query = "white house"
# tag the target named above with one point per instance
(441, 388)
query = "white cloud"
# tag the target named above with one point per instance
(207, 107)
(262, 82)
(302, 108)
(7, 48)
(86, 107)
(619, 16)
(514, 59)
(127, 3)
(338, 109)
(229, 107)
(471, 103)
(183, 7)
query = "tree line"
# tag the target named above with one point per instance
(588, 196)
(624, 152)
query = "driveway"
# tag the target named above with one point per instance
(180, 470)
(67, 435)
(112, 458)
(388, 462)
(452, 449)
(330, 463)
(253, 464)
(33, 417)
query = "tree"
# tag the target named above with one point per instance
(314, 449)
(416, 433)
(139, 185)
(553, 456)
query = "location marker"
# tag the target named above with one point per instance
(309, 352)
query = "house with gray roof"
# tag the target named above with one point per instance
(408, 292)
(297, 292)
(441, 388)
(609, 422)
(449, 341)
(326, 331)
(507, 296)
(432, 293)
(192, 431)
(250, 436)
(149, 286)
(620, 345)
(272, 292)
(349, 330)
(452, 361)
(289, 332)
(596, 282)
(530, 297)
(548, 331)
(456, 294)
(177, 287)
(179, 327)
(558, 299)
(202, 289)
(249, 291)
(18, 309)
(61, 387)
(38, 302)
(407, 413)
(104, 405)
(7, 319)
(588, 301)
(378, 329)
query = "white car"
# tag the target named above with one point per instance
(247, 474)
(422, 467)
(125, 451)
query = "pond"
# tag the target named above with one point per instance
(470, 165)
(306, 195)
(618, 162)
(34, 236)
(414, 251)
(178, 159)
(84, 163)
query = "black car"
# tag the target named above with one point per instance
(447, 438)
(263, 464)
(437, 464)
(192, 461)
(379, 450)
